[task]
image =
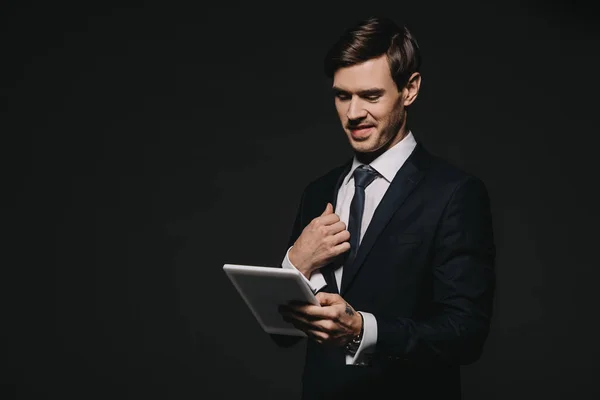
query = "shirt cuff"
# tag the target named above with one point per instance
(368, 342)
(316, 281)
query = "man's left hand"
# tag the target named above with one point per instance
(335, 322)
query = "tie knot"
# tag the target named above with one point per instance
(364, 175)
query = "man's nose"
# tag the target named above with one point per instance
(356, 110)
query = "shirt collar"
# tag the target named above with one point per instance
(388, 163)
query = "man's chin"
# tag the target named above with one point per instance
(362, 146)
(366, 151)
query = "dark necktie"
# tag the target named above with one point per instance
(363, 176)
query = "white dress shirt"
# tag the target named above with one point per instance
(387, 165)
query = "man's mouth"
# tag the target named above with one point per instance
(360, 130)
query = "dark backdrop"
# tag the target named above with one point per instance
(131, 142)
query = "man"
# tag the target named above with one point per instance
(397, 243)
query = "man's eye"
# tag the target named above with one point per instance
(373, 98)
(342, 96)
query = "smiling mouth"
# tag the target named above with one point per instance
(359, 132)
(360, 128)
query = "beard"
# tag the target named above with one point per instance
(382, 139)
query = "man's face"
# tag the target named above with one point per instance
(370, 107)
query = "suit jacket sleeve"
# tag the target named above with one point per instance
(457, 323)
(297, 227)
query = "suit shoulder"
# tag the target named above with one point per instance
(444, 173)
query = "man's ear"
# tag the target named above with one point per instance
(411, 89)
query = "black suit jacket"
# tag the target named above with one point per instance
(424, 269)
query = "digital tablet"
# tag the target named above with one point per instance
(265, 288)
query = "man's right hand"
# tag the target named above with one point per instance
(323, 239)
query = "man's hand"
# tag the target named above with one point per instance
(323, 239)
(334, 323)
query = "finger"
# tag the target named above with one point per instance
(303, 323)
(328, 219)
(326, 299)
(323, 312)
(327, 326)
(308, 313)
(341, 236)
(318, 336)
(298, 324)
(337, 227)
(340, 248)
(311, 313)
(328, 209)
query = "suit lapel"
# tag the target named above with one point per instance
(328, 271)
(405, 181)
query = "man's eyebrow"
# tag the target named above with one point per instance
(365, 92)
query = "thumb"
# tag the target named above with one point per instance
(327, 299)
(328, 209)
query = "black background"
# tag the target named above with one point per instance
(132, 137)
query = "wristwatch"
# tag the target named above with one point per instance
(353, 345)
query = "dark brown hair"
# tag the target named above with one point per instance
(371, 38)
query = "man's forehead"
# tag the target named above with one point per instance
(366, 84)
(373, 73)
